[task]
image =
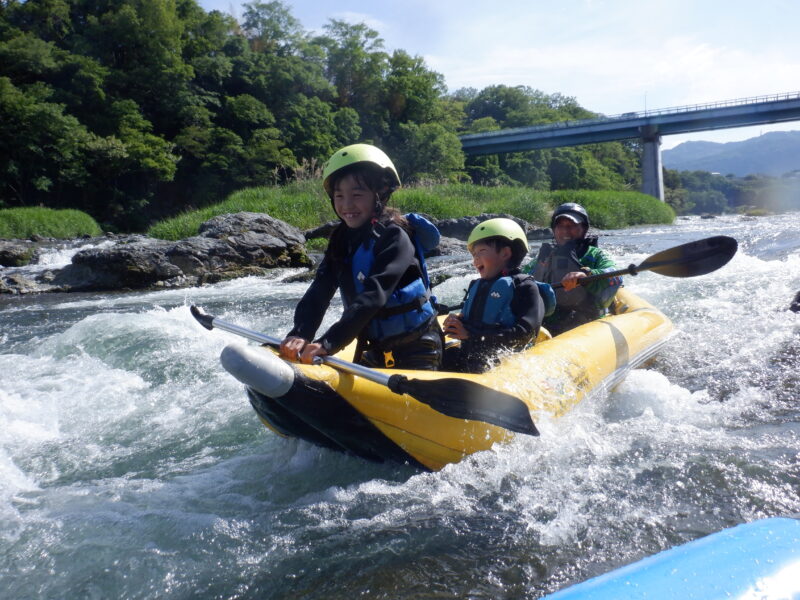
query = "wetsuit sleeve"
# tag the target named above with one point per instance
(603, 290)
(528, 309)
(315, 302)
(394, 256)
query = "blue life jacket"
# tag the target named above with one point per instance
(497, 296)
(548, 295)
(409, 307)
(425, 238)
(497, 309)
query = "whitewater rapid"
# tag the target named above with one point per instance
(132, 466)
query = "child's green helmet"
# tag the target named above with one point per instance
(500, 227)
(358, 153)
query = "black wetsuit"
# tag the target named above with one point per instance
(395, 266)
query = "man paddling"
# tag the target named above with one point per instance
(574, 256)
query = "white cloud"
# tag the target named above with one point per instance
(613, 77)
(357, 17)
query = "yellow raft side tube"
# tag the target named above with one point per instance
(551, 377)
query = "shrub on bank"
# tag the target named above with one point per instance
(25, 222)
(617, 210)
(305, 205)
(463, 199)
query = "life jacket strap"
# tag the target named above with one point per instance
(416, 304)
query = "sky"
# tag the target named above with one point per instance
(612, 56)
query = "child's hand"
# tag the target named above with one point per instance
(292, 347)
(454, 327)
(311, 351)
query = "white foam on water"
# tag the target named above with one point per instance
(61, 257)
(122, 439)
(109, 387)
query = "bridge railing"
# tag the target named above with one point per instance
(637, 115)
(710, 105)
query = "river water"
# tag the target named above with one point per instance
(132, 466)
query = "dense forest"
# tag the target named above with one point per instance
(701, 192)
(136, 110)
(133, 110)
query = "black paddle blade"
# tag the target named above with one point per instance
(464, 399)
(204, 319)
(692, 259)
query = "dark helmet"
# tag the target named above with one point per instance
(573, 211)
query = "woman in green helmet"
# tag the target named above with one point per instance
(371, 260)
(503, 308)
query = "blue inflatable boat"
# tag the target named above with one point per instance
(759, 560)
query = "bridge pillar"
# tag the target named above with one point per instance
(652, 175)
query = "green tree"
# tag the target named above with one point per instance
(412, 91)
(597, 166)
(41, 148)
(428, 151)
(355, 65)
(708, 201)
(271, 28)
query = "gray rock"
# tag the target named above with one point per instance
(224, 226)
(134, 265)
(539, 233)
(461, 227)
(449, 246)
(16, 253)
(795, 305)
(228, 246)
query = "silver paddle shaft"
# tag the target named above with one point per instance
(262, 338)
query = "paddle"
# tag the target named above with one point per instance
(686, 260)
(458, 398)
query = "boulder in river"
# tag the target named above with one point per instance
(461, 227)
(795, 305)
(16, 253)
(228, 246)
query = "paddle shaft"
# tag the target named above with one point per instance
(211, 322)
(687, 260)
(631, 270)
(457, 398)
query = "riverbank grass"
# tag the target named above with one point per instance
(305, 205)
(25, 222)
(302, 204)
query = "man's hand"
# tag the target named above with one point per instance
(570, 280)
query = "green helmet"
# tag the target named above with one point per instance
(500, 227)
(357, 153)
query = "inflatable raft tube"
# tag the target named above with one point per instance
(758, 560)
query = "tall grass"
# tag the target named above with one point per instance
(24, 222)
(460, 200)
(616, 210)
(305, 205)
(300, 203)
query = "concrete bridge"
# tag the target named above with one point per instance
(648, 126)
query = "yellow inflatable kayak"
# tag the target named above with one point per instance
(346, 412)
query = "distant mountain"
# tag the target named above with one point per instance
(773, 153)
